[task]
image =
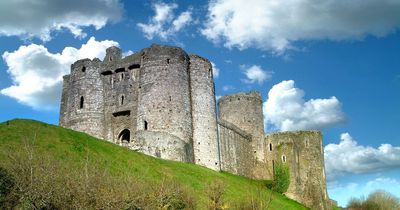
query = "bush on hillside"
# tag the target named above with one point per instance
(378, 200)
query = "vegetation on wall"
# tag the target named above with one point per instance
(281, 178)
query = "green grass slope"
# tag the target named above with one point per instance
(74, 148)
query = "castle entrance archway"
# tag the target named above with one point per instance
(124, 136)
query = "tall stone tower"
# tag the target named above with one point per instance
(245, 111)
(204, 117)
(82, 108)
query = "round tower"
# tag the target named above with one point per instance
(205, 143)
(85, 98)
(164, 94)
(245, 111)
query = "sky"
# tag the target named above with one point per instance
(329, 65)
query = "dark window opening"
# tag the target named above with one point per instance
(83, 69)
(119, 70)
(216, 163)
(125, 136)
(81, 102)
(167, 60)
(146, 125)
(270, 147)
(198, 143)
(122, 100)
(122, 76)
(209, 73)
(110, 58)
(106, 73)
(170, 98)
(284, 158)
(238, 99)
(134, 66)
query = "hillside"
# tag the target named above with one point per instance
(78, 151)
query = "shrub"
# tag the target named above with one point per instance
(281, 178)
(215, 192)
(7, 184)
(378, 200)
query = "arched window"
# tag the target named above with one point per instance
(83, 69)
(124, 136)
(122, 100)
(81, 102)
(146, 125)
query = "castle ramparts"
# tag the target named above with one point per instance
(161, 102)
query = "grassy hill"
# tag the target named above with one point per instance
(65, 150)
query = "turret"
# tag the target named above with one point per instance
(245, 111)
(84, 105)
(205, 144)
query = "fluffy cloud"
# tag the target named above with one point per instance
(37, 73)
(39, 18)
(215, 70)
(164, 24)
(275, 25)
(255, 74)
(349, 157)
(286, 109)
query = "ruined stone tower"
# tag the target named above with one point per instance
(161, 102)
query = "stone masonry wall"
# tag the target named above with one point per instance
(235, 149)
(164, 94)
(85, 98)
(302, 152)
(205, 144)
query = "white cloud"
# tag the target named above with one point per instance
(164, 24)
(255, 74)
(37, 73)
(215, 70)
(27, 18)
(348, 157)
(275, 24)
(343, 192)
(286, 110)
(228, 87)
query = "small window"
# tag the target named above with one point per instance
(270, 147)
(209, 73)
(122, 76)
(81, 102)
(168, 60)
(284, 158)
(146, 125)
(134, 66)
(170, 98)
(83, 69)
(122, 100)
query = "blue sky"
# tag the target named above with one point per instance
(327, 65)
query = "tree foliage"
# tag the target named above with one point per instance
(281, 178)
(378, 200)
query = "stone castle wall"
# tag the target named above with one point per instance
(302, 153)
(204, 117)
(161, 102)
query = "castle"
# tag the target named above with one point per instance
(161, 101)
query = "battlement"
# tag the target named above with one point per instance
(253, 95)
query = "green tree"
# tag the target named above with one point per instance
(281, 178)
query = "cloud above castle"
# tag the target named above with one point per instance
(29, 19)
(37, 73)
(277, 25)
(287, 110)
